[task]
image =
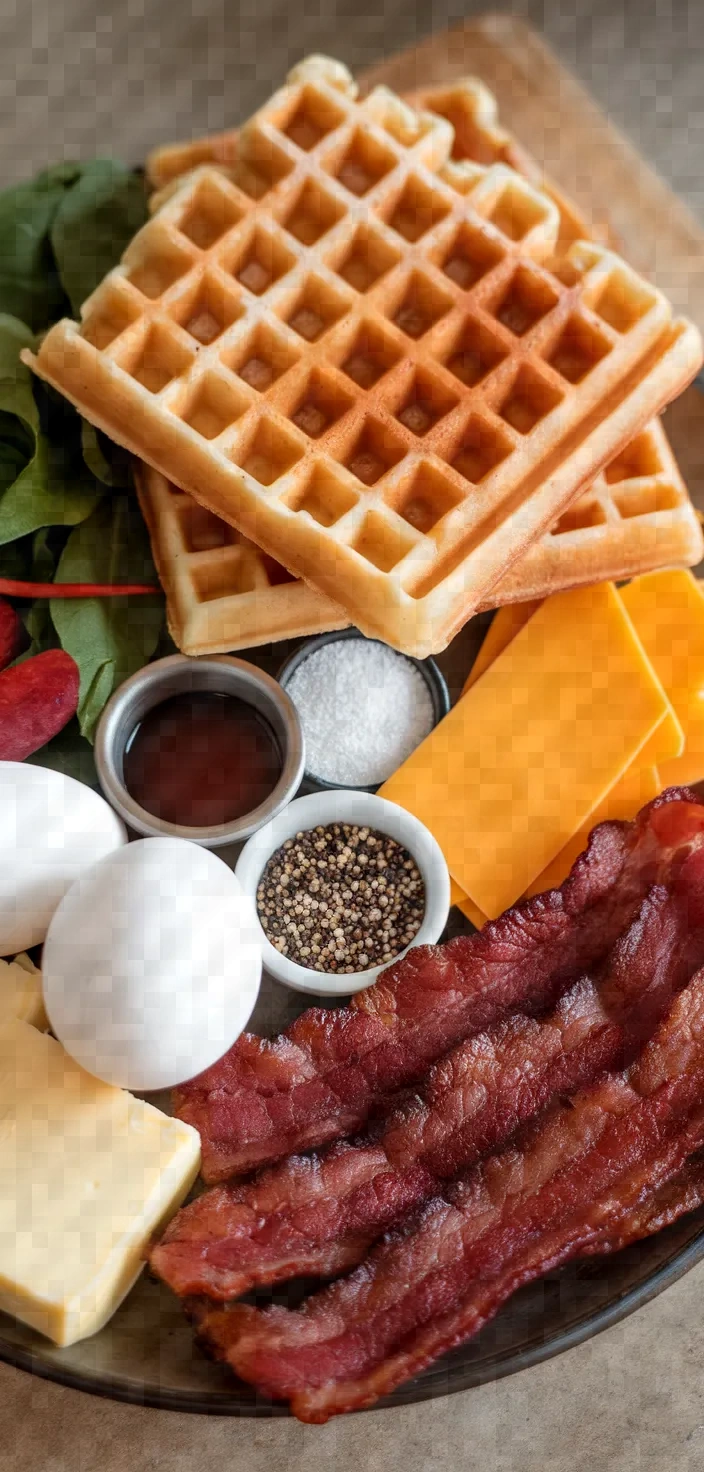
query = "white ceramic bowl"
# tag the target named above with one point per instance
(344, 806)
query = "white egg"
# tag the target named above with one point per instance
(52, 828)
(152, 964)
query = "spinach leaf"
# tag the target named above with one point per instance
(30, 286)
(109, 638)
(70, 753)
(61, 232)
(12, 462)
(109, 463)
(16, 396)
(35, 615)
(59, 235)
(43, 496)
(45, 489)
(94, 222)
(44, 556)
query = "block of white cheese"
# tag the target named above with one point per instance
(21, 992)
(87, 1174)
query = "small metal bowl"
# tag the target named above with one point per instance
(427, 668)
(172, 676)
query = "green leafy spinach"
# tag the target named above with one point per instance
(109, 638)
(67, 512)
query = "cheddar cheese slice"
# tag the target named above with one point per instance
(472, 911)
(638, 786)
(667, 741)
(529, 752)
(506, 623)
(667, 610)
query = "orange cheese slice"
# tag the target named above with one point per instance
(506, 623)
(529, 752)
(472, 911)
(667, 741)
(667, 610)
(638, 786)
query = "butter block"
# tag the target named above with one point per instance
(21, 992)
(529, 752)
(87, 1174)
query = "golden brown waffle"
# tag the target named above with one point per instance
(479, 136)
(364, 366)
(222, 592)
(635, 517)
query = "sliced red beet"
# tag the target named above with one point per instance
(13, 635)
(37, 699)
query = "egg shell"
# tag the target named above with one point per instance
(52, 828)
(152, 964)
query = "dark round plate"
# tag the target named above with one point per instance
(146, 1354)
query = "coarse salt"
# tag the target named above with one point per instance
(363, 708)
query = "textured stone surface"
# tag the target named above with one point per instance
(87, 76)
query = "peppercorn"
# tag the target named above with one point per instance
(369, 898)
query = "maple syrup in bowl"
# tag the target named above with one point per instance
(207, 749)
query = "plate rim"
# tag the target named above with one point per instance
(508, 1362)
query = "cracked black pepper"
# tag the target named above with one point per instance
(341, 898)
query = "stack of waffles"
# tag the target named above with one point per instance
(377, 371)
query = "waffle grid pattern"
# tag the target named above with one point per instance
(222, 592)
(636, 516)
(479, 136)
(351, 348)
(470, 109)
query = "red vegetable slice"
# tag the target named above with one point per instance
(15, 588)
(37, 698)
(13, 635)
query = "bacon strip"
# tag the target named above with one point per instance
(322, 1078)
(574, 1178)
(682, 1194)
(318, 1215)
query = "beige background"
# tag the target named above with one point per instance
(81, 78)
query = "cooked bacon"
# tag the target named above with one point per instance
(571, 1181)
(319, 1214)
(323, 1078)
(684, 1193)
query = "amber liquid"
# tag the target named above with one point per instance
(200, 759)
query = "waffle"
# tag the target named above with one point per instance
(635, 517)
(467, 105)
(479, 136)
(222, 592)
(353, 351)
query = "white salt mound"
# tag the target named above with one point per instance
(363, 708)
